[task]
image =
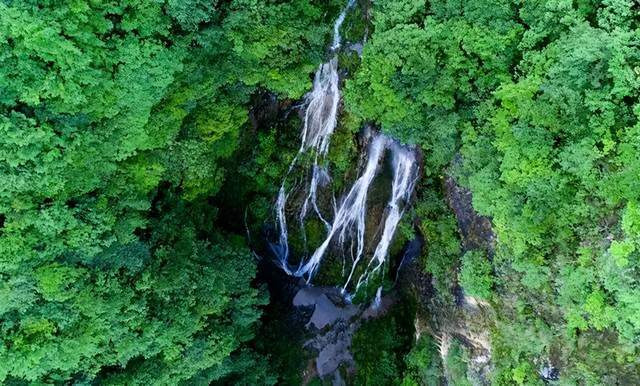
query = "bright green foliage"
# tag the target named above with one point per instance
(116, 119)
(442, 242)
(271, 39)
(128, 164)
(89, 312)
(476, 275)
(555, 180)
(423, 67)
(423, 363)
(540, 101)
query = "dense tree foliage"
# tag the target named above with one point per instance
(115, 121)
(540, 100)
(133, 164)
(423, 362)
(475, 275)
(380, 349)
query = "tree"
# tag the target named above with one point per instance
(116, 120)
(476, 276)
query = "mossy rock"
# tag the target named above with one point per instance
(304, 243)
(355, 24)
(331, 272)
(349, 62)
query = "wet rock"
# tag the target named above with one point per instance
(326, 312)
(549, 373)
(411, 250)
(356, 47)
(468, 321)
(267, 109)
(332, 325)
(334, 350)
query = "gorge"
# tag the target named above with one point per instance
(347, 223)
(316, 192)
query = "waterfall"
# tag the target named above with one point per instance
(320, 117)
(351, 212)
(377, 301)
(404, 179)
(348, 223)
(318, 176)
(320, 121)
(281, 250)
(336, 26)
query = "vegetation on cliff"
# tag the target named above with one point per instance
(540, 101)
(116, 121)
(142, 145)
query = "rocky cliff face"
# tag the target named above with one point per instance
(475, 230)
(468, 321)
(471, 320)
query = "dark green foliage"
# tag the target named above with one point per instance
(380, 345)
(343, 153)
(283, 340)
(375, 348)
(423, 363)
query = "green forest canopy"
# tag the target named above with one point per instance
(124, 128)
(114, 117)
(540, 100)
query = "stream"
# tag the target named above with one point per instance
(333, 317)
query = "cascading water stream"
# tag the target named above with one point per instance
(350, 217)
(404, 179)
(319, 123)
(377, 301)
(352, 211)
(319, 177)
(281, 250)
(348, 223)
(336, 26)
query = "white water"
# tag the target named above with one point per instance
(349, 221)
(378, 299)
(319, 177)
(404, 179)
(320, 117)
(281, 250)
(319, 123)
(351, 213)
(338, 24)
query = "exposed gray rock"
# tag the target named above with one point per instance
(325, 312)
(356, 47)
(332, 326)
